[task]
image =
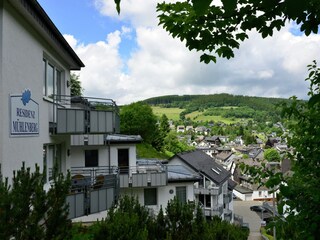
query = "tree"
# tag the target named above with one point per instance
(127, 220)
(27, 211)
(298, 195)
(300, 192)
(161, 133)
(271, 155)
(76, 89)
(138, 119)
(164, 124)
(174, 145)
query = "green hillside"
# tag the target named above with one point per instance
(217, 107)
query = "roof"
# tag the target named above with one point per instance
(32, 11)
(121, 138)
(231, 184)
(180, 173)
(201, 162)
(212, 139)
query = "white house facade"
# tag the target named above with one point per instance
(41, 124)
(35, 64)
(212, 191)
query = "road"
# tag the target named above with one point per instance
(242, 208)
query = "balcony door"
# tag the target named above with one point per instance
(123, 160)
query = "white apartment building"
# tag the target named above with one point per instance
(42, 124)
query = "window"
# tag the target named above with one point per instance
(91, 158)
(181, 194)
(52, 159)
(150, 196)
(53, 83)
(208, 201)
(123, 160)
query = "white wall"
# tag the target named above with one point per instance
(114, 153)
(163, 194)
(77, 157)
(22, 52)
(261, 195)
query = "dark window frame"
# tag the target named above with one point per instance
(150, 196)
(91, 158)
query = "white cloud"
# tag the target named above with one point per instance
(137, 12)
(160, 65)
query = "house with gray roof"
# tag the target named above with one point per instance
(212, 190)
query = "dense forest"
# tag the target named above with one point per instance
(227, 105)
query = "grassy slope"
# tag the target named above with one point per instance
(171, 113)
(147, 151)
(198, 116)
(174, 114)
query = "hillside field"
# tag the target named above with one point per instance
(174, 114)
(171, 113)
(199, 117)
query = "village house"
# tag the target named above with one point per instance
(213, 191)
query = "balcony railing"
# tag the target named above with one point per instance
(213, 191)
(143, 176)
(214, 211)
(94, 176)
(84, 115)
(227, 197)
(92, 190)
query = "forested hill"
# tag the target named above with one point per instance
(200, 102)
(260, 109)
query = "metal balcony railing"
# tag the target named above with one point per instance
(84, 115)
(92, 190)
(227, 197)
(216, 210)
(143, 176)
(213, 191)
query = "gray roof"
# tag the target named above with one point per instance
(177, 173)
(231, 184)
(212, 139)
(121, 138)
(201, 162)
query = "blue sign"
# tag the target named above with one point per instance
(24, 115)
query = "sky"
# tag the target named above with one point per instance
(129, 58)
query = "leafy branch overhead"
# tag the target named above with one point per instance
(218, 29)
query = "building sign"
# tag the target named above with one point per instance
(24, 115)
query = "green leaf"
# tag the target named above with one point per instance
(314, 99)
(295, 9)
(207, 58)
(117, 2)
(241, 36)
(229, 5)
(201, 6)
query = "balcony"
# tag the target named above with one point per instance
(84, 115)
(227, 197)
(213, 191)
(143, 176)
(227, 215)
(214, 211)
(92, 190)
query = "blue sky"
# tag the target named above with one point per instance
(130, 58)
